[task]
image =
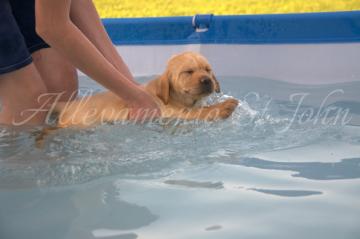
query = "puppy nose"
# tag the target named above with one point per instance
(205, 80)
(206, 84)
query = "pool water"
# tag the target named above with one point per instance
(285, 165)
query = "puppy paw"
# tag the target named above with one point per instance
(227, 108)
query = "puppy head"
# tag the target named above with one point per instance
(187, 79)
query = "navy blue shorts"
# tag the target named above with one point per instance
(18, 38)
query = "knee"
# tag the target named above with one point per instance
(20, 93)
(64, 82)
(24, 84)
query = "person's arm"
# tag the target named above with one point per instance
(54, 25)
(84, 15)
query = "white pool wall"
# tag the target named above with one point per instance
(294, 63)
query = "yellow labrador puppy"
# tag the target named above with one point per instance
(187, 79)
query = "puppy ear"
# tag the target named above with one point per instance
(217, 85)
(163, 87)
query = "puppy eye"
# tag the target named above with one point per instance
(208, 69)
(189, 72)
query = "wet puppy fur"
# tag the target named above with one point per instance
(187, 80)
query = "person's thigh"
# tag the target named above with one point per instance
(21, 98)
(57, 73)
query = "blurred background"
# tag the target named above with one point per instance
(159, 8)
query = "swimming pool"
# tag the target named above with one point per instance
(285, 165)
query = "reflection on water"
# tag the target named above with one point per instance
(287, 193)
(194, 184)
(106, 234)
(213, 228)
(60, 213)
(345, 169)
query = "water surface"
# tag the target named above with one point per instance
(285, 165)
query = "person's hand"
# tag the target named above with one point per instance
(143, 107)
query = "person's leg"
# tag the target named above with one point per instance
(57, 73)
(19, 97)
(19, 90)
(20, 82)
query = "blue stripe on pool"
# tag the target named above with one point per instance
(333, 27)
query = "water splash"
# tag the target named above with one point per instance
(75, 156)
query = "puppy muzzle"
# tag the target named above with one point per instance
(206, 85)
